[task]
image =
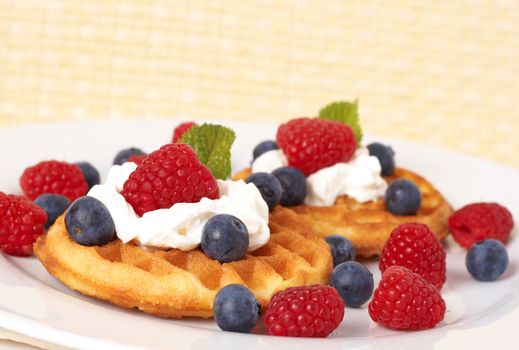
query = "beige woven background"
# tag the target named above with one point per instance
(438, 72)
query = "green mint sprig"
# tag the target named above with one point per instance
(212, 144)
(345, 112)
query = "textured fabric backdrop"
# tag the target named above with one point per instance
(439, 72)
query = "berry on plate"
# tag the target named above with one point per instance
(311, 144)
(309, 311)
(236, 309)
(54, 205)
(225, 238)
(385, 155)
(89, 222)
(342, 249)
(269, 187)
(181, 129)
(170, 175)
(487, 260)
(403, 198)
(21, 222)
(479, 221)
(416, 247)
(53, 176)
(293, 183)
(124, 155)
(90, 173)
(264, 147)
(404, 300)
(354, 283)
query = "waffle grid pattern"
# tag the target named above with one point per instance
(444, 72)
(175, 283)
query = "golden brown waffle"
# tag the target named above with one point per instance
(368, 225)
(174, 283)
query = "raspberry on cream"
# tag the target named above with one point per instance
(181, 225)
(360, 178)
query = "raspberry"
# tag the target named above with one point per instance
(181, 129)
(167, 176)
(479, 221)
(416, 247)
(405, 300)
(137, 158)
(55, 177)
(311, 144)
(309, 311)
(21, 222)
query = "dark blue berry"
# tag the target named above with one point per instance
(123, 155)
(403, 198)
(89, 222)
(487, 260)
(342, 249)
(263, 147)
(225, 238)
(90, 173)
(293, 183)
(236, 309)
(269, 187)
(354, 283)
(385, 155)
(54, 205)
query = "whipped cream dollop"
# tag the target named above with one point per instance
(360, 178)
(269, 161)
(181, 225)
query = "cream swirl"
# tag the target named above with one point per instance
(360, 178)
(181, 225)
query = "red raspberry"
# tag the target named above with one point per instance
(21, 222)
(170, 175)
(181, 129)
(405, 300)
(137, 158)
(416, 247)
(309, 311)
(311, 144)
(479, 221)
(56, 177)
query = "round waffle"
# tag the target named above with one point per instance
(368, 225)
(175, 283)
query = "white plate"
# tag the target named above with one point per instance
(479, 315)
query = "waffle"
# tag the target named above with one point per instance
(368, 225)
(174, 283)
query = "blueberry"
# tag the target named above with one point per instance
(354, 283)
(403, 198)
(225, 238)
(89, 222)
(385, 155)
(293, 183)
(487, 260)
(342, 249)
(124, 154)
(54, 205)
(236, 309)
(263, 147)
(269, 187)
(90, 173)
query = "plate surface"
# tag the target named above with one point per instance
(479, 315)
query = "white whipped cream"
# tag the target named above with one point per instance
(360, 178)
(181, 225)
(269, 161)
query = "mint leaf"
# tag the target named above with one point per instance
(212, 144)
(345, 112)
